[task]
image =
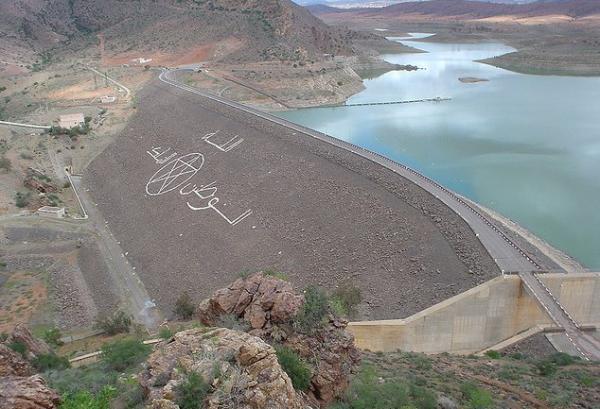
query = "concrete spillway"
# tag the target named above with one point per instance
(484, 317)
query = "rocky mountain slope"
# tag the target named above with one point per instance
(472, 9)
(232, 30)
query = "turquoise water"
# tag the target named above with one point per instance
(526, 146)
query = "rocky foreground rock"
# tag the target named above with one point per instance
(268, 305)
(34, 347)
(12, 363)
(242, 370)
(26, 392)
(19, 388)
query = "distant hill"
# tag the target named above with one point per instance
(235, 30)
(474, 9)
(369, 3)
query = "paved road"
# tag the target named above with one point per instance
(118, 84)
(506, 253)
(21, 125)
(587, 346)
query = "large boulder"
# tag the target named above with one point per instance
(35, 347)
(269, 305)
(259, 299)
(242, 370)
(12, 363)
(19, 392)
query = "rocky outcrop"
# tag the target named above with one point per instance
(18, 389)
(269, 305)
(35, 347)
(37, 180)
(261, 300)
(334, 350)
(242, 371)
(12, 363)
(17, 392)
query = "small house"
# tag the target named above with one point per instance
(50, 211)
(71, 120)
(107, 99)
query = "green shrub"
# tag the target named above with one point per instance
(295, 367)
(510, 372)
(5, 163)
(123, 354)
(422, 397)
(562, 359)
(85, 400)
(277, 274)
(313, 311)
(476, 398)
(493, 354)
(130, 394)
(420, 361)
(546, 367)
(53, 337)
(231, 321)
(22, 199)
(118, 323)
(345, 299)
(165, 333)
(92, 378)
(337, 307)
(190, 393)
(19, 347)
(46, 362)
(184, 307)
(517, 356)
(367, 392)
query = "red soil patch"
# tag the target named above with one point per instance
(201, 53)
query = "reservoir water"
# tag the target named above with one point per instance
(526, 146)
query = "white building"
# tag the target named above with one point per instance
(141, 60)
(107, 99)
(49, 211)
(71, 120)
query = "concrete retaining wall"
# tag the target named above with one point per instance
(482, 317)
(579, 294)
(467, 323)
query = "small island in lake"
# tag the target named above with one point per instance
(471, 80)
